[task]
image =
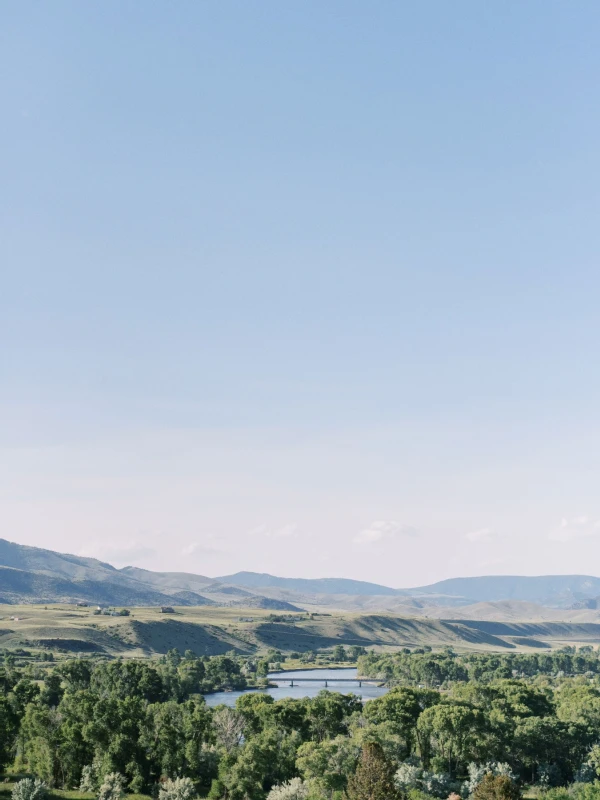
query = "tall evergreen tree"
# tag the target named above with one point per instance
(374, 777)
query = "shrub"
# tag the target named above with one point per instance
(112, 787)
(411, 777)
(408, 776)
(90, 778)
(29, 789)
(179, 789)
(477, 772)
(296, 789)
(439, 784)
(560, 793)
(580, 791)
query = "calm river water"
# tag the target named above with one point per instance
(306, 688)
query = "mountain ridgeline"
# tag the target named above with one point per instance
(36, 575)
(555, 591)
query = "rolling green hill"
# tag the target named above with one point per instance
(211, 630)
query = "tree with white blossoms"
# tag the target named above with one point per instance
(113, 787)
(296, 789)
(179, 789)
(29, 789)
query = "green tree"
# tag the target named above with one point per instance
(24, 692)
(8, 731)
(450, 732)
(262, 668)
(41, 738)
(264, 760)
(52, 691)
(374, 777)
(164, 738)
(328, 713)
(355, 651)
(327, 765)
(255, 708)
(339, 653)
(76, 674)
(549, 741)
(401, 708)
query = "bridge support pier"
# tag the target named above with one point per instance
(325, 684)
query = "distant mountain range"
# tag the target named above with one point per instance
(555, 591)
(560, 591)
(313, 586)
(36, 575)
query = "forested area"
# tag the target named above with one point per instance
(421, 666)
(137, 725)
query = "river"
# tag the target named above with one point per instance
(306, 688)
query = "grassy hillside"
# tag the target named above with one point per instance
(212, 630)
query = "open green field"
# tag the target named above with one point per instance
(214, 630)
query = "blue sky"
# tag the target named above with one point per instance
(308, 288)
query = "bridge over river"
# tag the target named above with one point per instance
(295, 681)
(308, 683)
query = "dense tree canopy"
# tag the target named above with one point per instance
(147, 722)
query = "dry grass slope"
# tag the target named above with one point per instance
(210, 630)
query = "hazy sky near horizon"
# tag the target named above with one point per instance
(304, 288)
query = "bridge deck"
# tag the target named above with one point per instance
(324, 680)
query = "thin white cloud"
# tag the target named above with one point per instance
(204, 548)
(287, 531)
(575, 528)
(382, 530)
(480, 535)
